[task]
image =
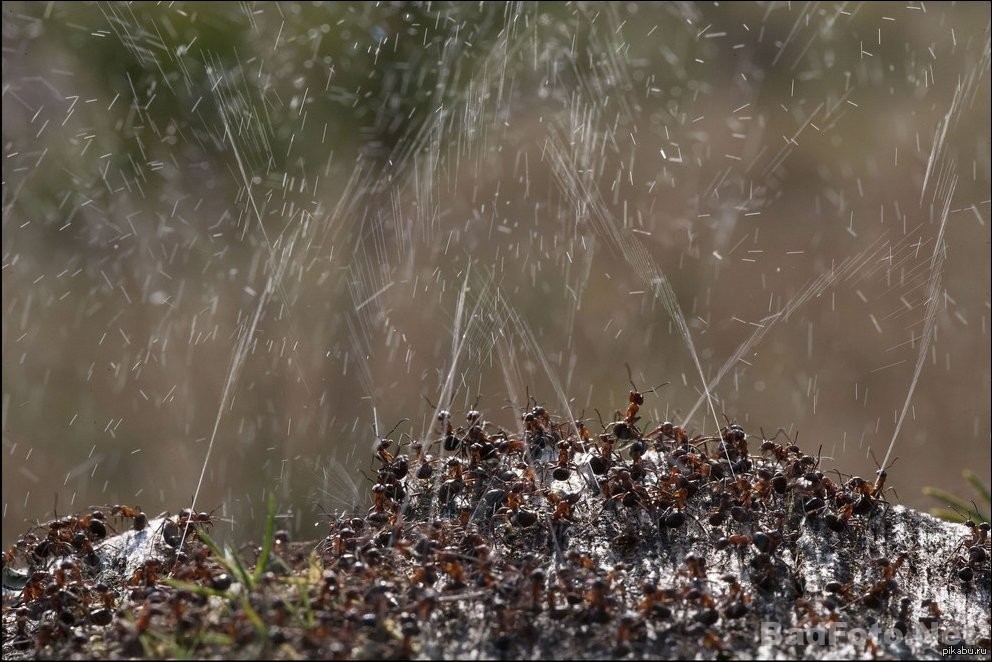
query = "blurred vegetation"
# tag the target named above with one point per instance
(159, 158)
(959, 510)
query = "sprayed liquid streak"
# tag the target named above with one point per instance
(929, 317)
(628, 246)
(429, 139)
(945, 185)
(272, 285)
(814, 289)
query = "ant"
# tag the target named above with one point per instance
(564, 466)
(562, 503)
(136, 514)
(383, 443)
(766, 570)
(736, 598)
(476, 433)
(450, 442)
(93, 524)
(386, 495)
(20, 549)
(625, 428)
(147, 573)
(537, 580)
(933, 615)
(768, 483)
(838, 522)
(653, 602)
(889, 567)
(975, 543)
(601, 462)
(187, 516)
(735, 437)
(539, 432)
(695, 566)
(740, 541)
(581, 430)
(174, 532)
(867, 494)
(881, 474)
(65, 536)
(812, 617)
(779, 451)
(979, 533)
(599, 600)
(619, 486)
(36, 586)
(886, 585)
(541, 415)
(513, 511)
(636, 398)
(426, 468)
(669, 430)
(450, 561)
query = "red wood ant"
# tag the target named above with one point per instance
(582, 430)
(740, 541)
(978, 555)
(174, 531)
(668, 430)
(780, 452)
(979, 533)
(886, 584)
(695, 566)
(562, 504)
(383, 443)
(563, 467)
(135, 514)
(626, 428)
(449, 441)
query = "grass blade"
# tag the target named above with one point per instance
(267, 541)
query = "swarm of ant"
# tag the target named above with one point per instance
(553, 541)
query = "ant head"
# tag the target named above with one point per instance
(880, 470)
(385, 438)
(637, 395)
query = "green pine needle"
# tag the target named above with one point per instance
(960, 510)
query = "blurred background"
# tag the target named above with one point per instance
(254, 234)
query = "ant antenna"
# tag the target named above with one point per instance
(655, 388)
(630, 378)
(840, 476)
(402, 421)
(600, 416)
(881, 471)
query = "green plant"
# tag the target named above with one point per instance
(249, 580)
(958, 509)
